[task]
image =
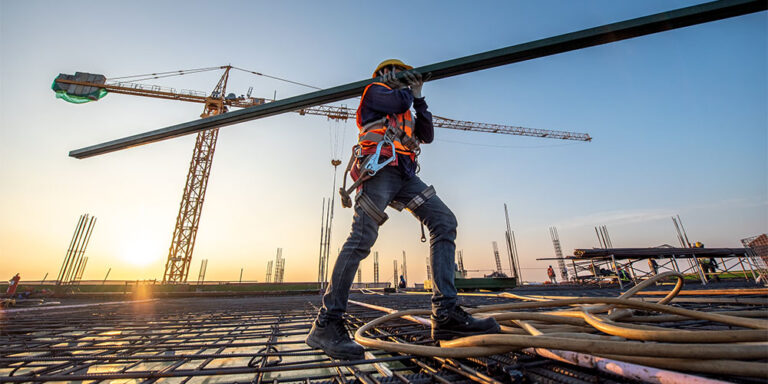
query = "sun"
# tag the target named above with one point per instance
(139, 252)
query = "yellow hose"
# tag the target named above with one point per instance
(670, 348)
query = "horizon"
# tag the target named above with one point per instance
(679, 122)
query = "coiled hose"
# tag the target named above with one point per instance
(731, 352)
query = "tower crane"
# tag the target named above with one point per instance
(82, 87)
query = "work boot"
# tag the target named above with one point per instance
(332, 337)
(458, 323)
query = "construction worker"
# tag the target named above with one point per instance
(551, 274)
(708, 264)
(384, 112)
(402, 283)
(653, 265)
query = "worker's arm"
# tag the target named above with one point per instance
(385, 101)
(423, 127)
(380, 101)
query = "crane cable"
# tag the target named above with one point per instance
(277, 78)
(709, 351)
(159, 75)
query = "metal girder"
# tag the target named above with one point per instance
(641, 26)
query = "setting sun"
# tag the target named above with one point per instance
(140, 252)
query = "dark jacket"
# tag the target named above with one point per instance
(380, 101)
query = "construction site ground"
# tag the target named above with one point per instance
(261, 339)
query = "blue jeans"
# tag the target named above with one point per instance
(390, 184)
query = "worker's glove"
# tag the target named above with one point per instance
(415, 81)
(390, 80)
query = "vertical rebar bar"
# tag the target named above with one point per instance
(70, 249)
(616, 269)
(77, 255)
(321, 264)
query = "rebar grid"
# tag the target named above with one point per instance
(255, 339)
(182, 340)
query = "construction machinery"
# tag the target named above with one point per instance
(83, 87)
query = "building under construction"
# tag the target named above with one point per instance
(700, 338)
(664, 314)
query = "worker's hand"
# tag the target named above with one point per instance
(391, 80)
(415, 81)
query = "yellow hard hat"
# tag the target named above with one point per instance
(698, 244)
(391, 62)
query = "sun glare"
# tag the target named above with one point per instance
(138, 252)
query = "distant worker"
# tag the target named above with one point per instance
(388, 145)
(627, 273)
(709, 267)
(402, 283)
(622, 273)
(653, 266)
(551, 274)
(708, 264)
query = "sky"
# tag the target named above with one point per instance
(679, 122)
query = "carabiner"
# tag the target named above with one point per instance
(373, 165)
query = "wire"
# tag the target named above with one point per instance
(277, 78)
(168, 73)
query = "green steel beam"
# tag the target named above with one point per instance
(641, 26)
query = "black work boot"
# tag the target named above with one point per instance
(332, 337)
(458, 323)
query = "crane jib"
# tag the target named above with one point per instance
(641, 26)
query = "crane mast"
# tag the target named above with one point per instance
(188, 218)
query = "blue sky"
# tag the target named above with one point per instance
(679, 122)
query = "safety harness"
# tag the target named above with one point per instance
(363, 166)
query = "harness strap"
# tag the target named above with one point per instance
(420, 198)
(394, 132)
(346, 201)
(372, 136)
(367, 205)
(397, 205)
(380, 123)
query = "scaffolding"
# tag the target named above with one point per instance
(376, 267)
(558, 253)
(509, 236)
(394, 262)
(203, 268)
(632, 265)
(405, 269)
(268, 278)
(758, 251)
(279, 266)
(497, 257)
(460, 264)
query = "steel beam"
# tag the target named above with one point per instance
(641, 26)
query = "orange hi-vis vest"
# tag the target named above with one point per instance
(373, 132)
